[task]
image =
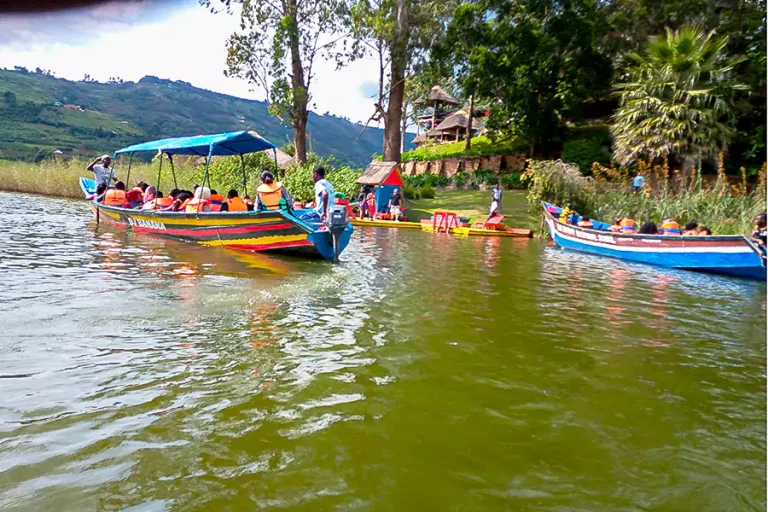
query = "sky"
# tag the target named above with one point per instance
(174, 39)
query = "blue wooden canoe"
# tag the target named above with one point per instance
(731, 255)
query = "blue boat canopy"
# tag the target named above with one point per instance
(220, 144)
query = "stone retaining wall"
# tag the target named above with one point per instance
(448, 167)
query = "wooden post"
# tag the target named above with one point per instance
(468, 143)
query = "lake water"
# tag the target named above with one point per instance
(424, 372)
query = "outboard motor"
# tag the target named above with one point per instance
(337, 222)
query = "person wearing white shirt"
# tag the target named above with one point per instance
(100, 167)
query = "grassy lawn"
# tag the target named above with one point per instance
(474, 204)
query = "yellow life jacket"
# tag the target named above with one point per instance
(270, 195)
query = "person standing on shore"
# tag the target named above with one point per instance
(496, 196)
(100, 167)
(637, 183)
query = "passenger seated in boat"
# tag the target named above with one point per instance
(616, 226)
(248, 202)
(759, 233)
(704, 231)
(670, 227)
(216, 201)
(627, 226)
(158, 203)
(149, 194)
(649, 228)
(691, 229)
(200, 202)
(180, 202)
(98, 195)
(234, 203)
(134, 197)
(566, 213)
(585, 223)
(115, 196)
(272, 195)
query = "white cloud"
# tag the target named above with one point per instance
(184, 44)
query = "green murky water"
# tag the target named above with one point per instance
(425, 372)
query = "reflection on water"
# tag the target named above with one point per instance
(424, 372)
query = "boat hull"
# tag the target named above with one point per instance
(245, 231)
(726, 255)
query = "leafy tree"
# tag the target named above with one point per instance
(399, 33)
(678, 100)
(539, 60)
(277, 48)
(743, 21)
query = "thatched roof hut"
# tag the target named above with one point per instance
(455, 125)
(438, 95)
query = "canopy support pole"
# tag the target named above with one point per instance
(274, 156)
(245, 178)
(205, 177)
(173, 171)
(127, 178)
(159, 171)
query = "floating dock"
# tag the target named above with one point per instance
(385, 224)
(426, 225)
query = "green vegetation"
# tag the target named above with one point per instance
(480, 146)
(60, 178)
(725, 208)
(122, 113)
(678, 100)
(474, 204)
(542, 68)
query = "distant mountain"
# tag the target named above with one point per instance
(40, 113)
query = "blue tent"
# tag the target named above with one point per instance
(220, 144)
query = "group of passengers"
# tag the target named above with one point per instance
(271, 195)
(668, 227)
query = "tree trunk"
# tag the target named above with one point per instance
(298, 86)
(403, 127)
(468, 144)
(398, 65)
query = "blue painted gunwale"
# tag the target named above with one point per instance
(732, 255)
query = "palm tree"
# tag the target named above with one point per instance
(678, 101)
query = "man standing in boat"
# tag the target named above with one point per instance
(496, 196)
(323, 196)
(100, 167)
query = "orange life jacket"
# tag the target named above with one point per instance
(216, 201)
(114, 197)
(270, 195)
(670, 227)
(164, 202)
(237, 205)
(704, 233)
(585, 224)
(627, 226)
(192, 205)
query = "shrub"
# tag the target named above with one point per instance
(427, 192)
(485, 176)
(410, 192)
(584, 152)
(513, 181)
(460, 179)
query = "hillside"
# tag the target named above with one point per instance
(39, 114)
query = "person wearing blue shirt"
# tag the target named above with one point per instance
(637, 183)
